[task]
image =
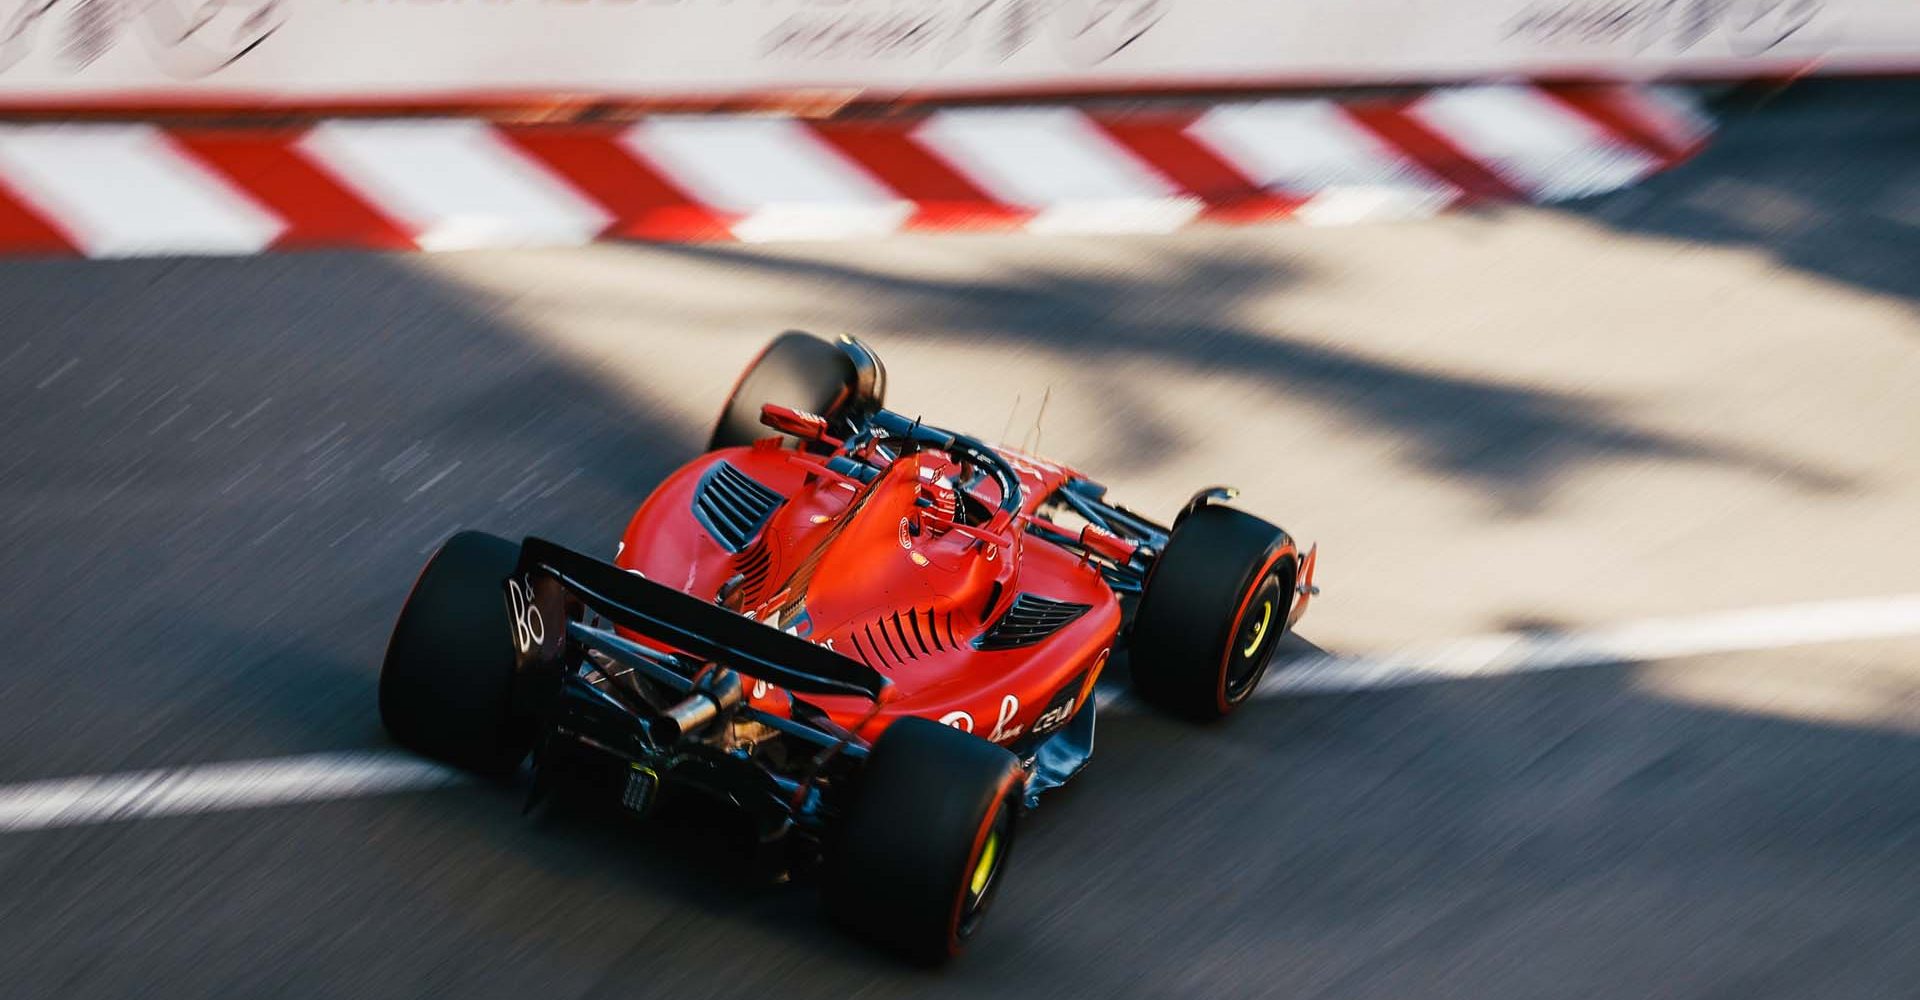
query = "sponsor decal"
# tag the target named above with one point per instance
(1057, 716)
(1009, 707)
(529, 628)
(1082, 32)
(1746, 27)
(184, 38)
(1002, 729)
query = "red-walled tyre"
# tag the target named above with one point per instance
(1212, 614)
(924, 845)
(798, 370)
(447, 685)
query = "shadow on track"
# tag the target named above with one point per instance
(1510, 442)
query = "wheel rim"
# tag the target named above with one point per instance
(983, 870)
(982, 876)
(1254, 638)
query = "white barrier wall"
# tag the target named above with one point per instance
(427, 50)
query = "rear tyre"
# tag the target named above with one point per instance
(1212, 613)
(798, 370)
(447, 686)
(925, 841)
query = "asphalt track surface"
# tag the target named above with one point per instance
(218, 478)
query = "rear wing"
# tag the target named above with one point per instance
(701, 630)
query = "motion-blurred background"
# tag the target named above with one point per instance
(1582, 337)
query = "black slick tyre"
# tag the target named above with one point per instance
(797, 370)
(447, 685)
(1212, 614)
(924, 845)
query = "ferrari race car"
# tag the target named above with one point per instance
(877, 638)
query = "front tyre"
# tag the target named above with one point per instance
(925, 841)
(797, 370)
(1212, 614)
(447, 686)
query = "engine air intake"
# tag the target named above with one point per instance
(1028, 621)
(733, 507)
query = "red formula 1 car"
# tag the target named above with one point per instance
(877, 638)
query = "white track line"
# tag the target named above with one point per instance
(1638, 642)
(181, 791)
(203, 788)
(1506, 653)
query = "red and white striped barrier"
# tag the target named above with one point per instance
(134, 190)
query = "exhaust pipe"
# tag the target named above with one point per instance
(722, 690)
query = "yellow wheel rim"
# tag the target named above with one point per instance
(983, 869)
(1259, 631)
